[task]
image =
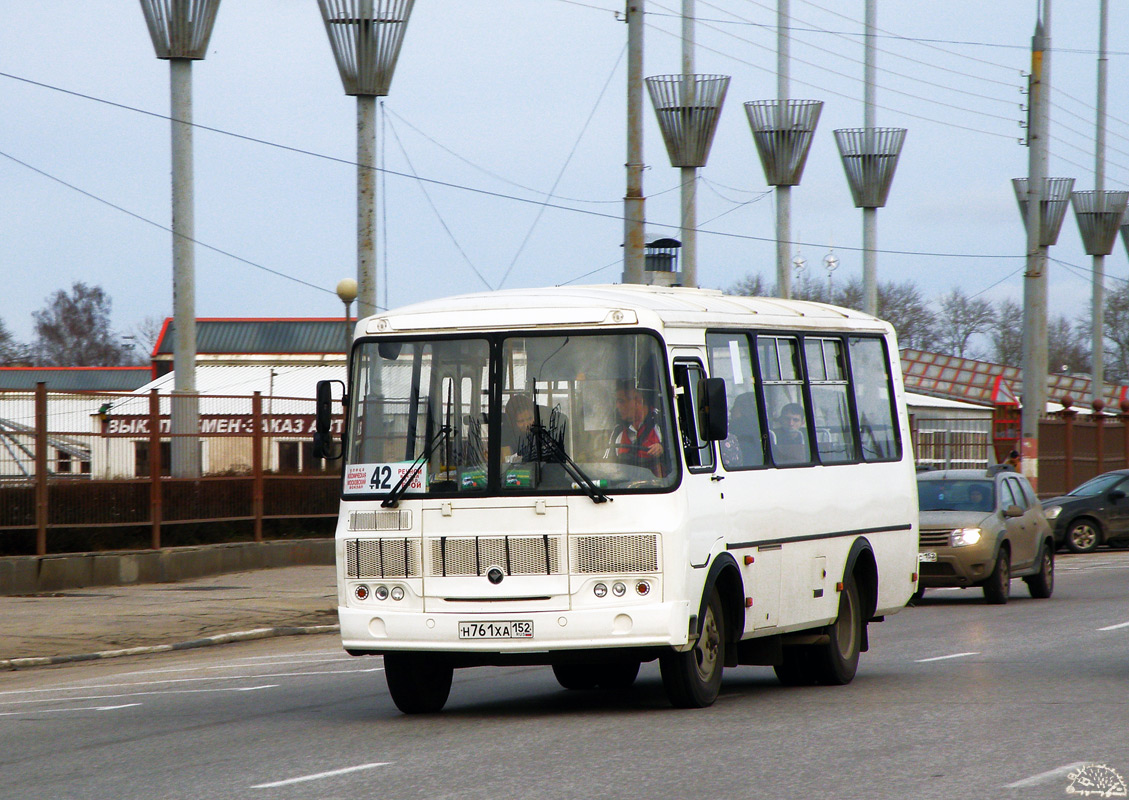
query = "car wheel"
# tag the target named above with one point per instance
(998, 585)
(693, 679)
(1083, 536)
(419, 684)
(1042, 584)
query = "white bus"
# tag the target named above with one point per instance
(595, 477)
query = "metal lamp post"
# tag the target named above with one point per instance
(870, 156)
(688, 107)
(347, 291)
(783, 131)
(180, 32)
(1099, 216)
(365, 36)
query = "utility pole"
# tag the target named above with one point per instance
(634, 212)
(1035, 277)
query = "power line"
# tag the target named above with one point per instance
(165, 228)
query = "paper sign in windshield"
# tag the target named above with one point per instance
(368, 478)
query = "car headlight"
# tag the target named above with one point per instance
(1052, 512)
(962, 537)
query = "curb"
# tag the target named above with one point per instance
(10, 664)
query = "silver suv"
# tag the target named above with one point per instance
(983, 528)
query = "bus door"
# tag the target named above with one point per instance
(703, 486)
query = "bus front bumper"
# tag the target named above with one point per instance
(655, 624)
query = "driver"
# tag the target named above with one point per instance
(637, 438)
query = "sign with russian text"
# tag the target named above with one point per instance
(381, 478)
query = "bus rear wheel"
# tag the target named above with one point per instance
(834, 662)
(419, 684)
(693, 679)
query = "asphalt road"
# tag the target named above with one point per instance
(955, 699)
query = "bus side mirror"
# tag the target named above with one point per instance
(324, 446)
(713, 415)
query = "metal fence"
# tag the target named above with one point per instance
(95, 460)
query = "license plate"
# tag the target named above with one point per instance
(927, 558)
(513, 629)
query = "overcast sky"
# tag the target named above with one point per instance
(496, 101)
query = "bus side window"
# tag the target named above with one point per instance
(782, 379)
(827, 375)
(870, 379)
(698, 454)
(730, 361)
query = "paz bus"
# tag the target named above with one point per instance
(595, 477)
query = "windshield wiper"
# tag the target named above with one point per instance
(555, 448)
(402, 485)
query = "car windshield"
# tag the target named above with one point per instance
(509, 414)
(956, 495)
(1096, 486)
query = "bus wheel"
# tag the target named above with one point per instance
(693, 679)
(419, 684)
(618, 675)
(577, 676)
(795, 668)
(835, 663)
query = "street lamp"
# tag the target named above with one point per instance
(365, 36)
(180, 32)
(830, 263)
(347, 291)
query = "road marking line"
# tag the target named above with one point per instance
(1043, 777)
(321, 775)
(215, 678)
(64, 710)
(41, 700)
(943, 658)
(1115, 627)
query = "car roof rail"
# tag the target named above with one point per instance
(996, 469)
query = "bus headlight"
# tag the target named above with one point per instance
(963, 537)
(381, 593)
(600, 590)
(397, 592)
(643, 588)
(618, 589)
(361, 592)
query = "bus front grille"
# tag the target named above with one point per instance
(615, 554)
(452, 556)
(383, 558)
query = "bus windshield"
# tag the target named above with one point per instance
(510, 414)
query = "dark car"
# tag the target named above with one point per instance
(982, 528)
(1096, 512)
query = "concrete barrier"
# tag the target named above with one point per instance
(38, 574)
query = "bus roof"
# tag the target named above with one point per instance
(614, 305)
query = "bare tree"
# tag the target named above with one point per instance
(1006, 334)
(959, 319)
(1117, 333)
(1068, 346)
(12, 353)
(73, 330)
(142, 338)
(752, 286)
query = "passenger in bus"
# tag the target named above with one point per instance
(517, 425)
(743, 447)
(789, 443)
(637, 438)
